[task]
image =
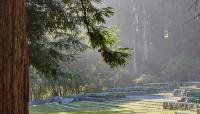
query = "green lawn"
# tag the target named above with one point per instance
(109, 107)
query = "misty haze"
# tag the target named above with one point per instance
(100, 57)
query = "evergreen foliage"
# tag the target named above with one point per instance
(55, 27)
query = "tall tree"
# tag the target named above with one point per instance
(67, 17)
(13, 58)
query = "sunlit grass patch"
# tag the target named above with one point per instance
(164, 94)
(108, 107)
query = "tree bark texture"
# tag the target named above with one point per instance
(13, 58)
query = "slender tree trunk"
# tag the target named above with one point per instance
(13, 58)
(60, 90)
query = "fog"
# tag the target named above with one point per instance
(162, 33)
(163, 36)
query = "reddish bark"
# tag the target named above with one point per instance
(13, 58)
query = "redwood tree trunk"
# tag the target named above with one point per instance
(13, 58)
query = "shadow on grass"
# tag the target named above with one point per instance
(82, 108)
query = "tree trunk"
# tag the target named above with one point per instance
(13, 58)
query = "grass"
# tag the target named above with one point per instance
(123, 106)
(164, 94)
